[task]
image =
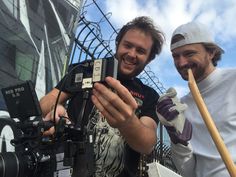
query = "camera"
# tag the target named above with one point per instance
(35, 155)
(33, 151)
(78, 144)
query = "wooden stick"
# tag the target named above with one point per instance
(225, 155)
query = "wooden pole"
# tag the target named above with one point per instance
(225, 155)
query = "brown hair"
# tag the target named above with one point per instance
(213, 48)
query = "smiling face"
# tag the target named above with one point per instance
(193, 56)
(133, 52)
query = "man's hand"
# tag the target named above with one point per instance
(117, 106)
(171, 114)
(60, 112)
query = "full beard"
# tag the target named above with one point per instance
(129, 75)
(198, 71)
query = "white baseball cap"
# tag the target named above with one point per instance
(191, 33)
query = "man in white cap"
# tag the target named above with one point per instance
(192, 46)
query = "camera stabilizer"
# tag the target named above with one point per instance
(36, 151)
(78, 148)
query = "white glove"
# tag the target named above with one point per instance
(170, 111)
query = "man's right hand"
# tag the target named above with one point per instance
(60, 112)
(171, 114)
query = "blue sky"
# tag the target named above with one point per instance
(218, 15)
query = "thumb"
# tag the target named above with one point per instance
(48, 117)
(49, 132)
(171, 93)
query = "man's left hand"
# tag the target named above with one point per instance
(115, 103)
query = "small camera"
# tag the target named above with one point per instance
(83, 75)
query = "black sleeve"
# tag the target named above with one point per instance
(65, 85)
(149, 104)
(61, 84)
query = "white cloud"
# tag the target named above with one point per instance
(181, 90)
(168, 14)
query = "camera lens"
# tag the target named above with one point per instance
(9, 164)
(12, 165)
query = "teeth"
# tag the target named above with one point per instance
(128, 62)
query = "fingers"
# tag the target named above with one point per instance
(121, 99)
(170, 93)
(164, 103)
(103, 104)
(49, 132)
(116, 107)
(109, 112)
(60, 112)
(52, 130)
(123, 92)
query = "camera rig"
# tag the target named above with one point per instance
(78, 143)
(35, 149)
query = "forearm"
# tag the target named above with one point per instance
(48, 101)
(183, 159)
(140, 134)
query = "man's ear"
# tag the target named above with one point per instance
(212, 54)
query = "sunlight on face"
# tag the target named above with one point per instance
(133, 52)
(193, 56)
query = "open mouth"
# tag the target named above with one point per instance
(129, 61)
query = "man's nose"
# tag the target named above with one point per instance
(182, 61)
(132, 52)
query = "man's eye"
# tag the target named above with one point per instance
(190, 54)
(127, 46)
(174, 56)
(140, 51)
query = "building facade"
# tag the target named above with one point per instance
(36, 39)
